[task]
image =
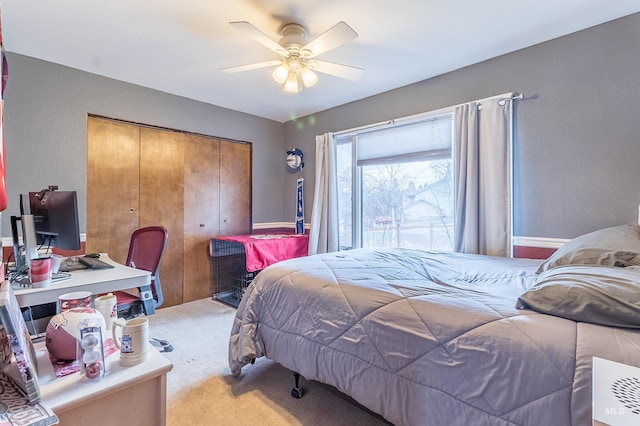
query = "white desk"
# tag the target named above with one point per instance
(96, 281)
(125, 396)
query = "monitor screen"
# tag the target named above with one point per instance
(55, 215)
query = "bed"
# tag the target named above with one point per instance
(426, 338)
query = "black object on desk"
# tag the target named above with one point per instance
(84, 262)
(93, 263)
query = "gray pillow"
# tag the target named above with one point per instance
(615, 246)
(605, 295)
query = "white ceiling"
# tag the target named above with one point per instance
(179, 47)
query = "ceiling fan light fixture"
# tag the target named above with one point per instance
(281, 73)
(309, 78)
(291, 85)
(297, 66)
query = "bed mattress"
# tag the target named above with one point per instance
(425, 338)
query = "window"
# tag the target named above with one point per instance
(395, 185)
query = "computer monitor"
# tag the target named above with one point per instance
(29, 244)
(55, 215)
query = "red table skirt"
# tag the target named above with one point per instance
(263, 250)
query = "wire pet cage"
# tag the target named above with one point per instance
(230, 275)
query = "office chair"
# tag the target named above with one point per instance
(145, 252)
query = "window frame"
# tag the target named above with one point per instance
(351, 137)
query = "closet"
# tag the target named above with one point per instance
(196, 186)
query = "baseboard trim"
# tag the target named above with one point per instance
(539, 242)
(8, 241)
(277, 225)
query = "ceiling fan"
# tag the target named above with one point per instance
(297, 63)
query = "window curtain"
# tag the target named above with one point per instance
(482, 156)
(324, 232)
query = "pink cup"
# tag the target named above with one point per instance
(40, 272)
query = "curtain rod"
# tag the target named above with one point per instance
(502, 101)
(394, 121)
(503, 98)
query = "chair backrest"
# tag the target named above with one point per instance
(145, 252)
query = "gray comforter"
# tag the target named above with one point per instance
(424, 338)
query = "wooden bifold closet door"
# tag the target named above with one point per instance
(195, 186)
(202, 192)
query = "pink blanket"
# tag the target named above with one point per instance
(263, 250)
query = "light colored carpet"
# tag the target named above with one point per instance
(202, 391)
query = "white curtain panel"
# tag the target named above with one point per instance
(324, 232)
(482, 156)
(465, 155)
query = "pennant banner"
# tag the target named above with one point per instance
(4, 72)
(300, 208)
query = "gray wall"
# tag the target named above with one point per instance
(46, 107)
(577, 133)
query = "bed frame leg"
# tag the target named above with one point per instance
(296, 392)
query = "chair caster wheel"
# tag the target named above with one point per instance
(296, 393)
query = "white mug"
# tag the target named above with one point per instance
(57, 261)
(107, 306)
(134, 342)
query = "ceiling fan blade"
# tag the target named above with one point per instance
(251, 66)
(335, 36)
(342, 71)
(259, 36)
